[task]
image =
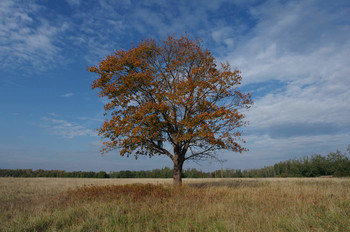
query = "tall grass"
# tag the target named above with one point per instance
(199, 205)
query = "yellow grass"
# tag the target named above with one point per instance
(288, 204)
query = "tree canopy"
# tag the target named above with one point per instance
(170, 98)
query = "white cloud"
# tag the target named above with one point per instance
(305, 46)
(286, 46)
(67, 129)
(26, 38)
(31, 37)
(91, 119)
(317, 103)
(73, 3)
(223, 35)
(68, 95)
(285, 148)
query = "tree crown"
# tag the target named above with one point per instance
(170, 94)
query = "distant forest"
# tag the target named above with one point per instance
(335, 164)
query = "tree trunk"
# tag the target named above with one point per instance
(178, 162)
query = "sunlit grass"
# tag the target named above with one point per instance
(200, 205)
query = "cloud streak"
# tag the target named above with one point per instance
(68, 95)
(26, 38)
(66, 129)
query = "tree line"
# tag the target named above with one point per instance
(334, 164)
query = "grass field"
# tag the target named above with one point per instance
(285, 204)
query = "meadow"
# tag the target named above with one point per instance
(271, 204)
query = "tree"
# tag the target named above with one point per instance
(170, 98)
(102, 174)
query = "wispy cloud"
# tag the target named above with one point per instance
(53, 114)
(26, 38)
(30, 37)
(73, 3)
(90, 119)
(105, 26)
(67, 129)
(67, 95)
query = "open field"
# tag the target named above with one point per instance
(285, 204)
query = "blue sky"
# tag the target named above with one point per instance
(294, 57)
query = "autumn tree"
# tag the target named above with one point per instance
(170, 98)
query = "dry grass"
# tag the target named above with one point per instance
(154, 205)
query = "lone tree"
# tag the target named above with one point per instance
(170, 98)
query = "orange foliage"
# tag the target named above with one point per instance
(173, 93)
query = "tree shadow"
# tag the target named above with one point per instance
(229, 183)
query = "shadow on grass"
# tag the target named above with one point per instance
(229, 183)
